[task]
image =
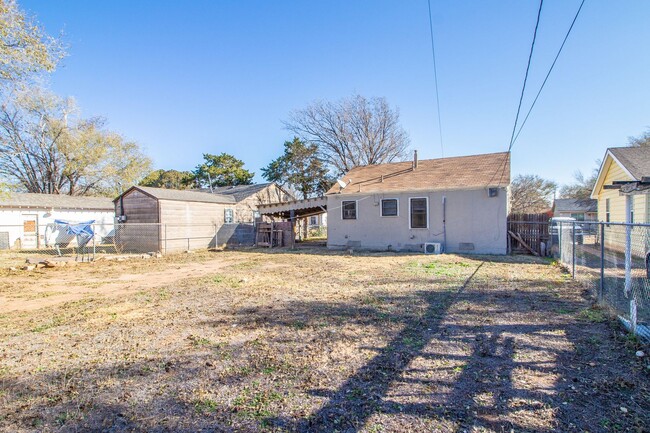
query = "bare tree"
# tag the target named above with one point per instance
(642, 140)
(531, 194)
(47, 147)
(352, 131)
(582, 187)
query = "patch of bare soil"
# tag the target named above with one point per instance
(31, 290)
(309, 342)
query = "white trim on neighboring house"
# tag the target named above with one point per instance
(356, 210)
(381, 207)
(428, 213)
(602, 172)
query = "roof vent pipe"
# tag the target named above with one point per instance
(415, 159)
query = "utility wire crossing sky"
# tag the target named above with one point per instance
(210, 77)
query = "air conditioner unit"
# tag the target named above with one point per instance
(432, 248)
(493, 192)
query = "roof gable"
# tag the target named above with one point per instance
(463, 172)
(634, 161)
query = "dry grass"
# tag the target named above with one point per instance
(258, 341)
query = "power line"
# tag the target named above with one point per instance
(435, 78)
(521, 98)
(523, 88)
(549, 72)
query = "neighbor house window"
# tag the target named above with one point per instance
(389, 207)
(578, 216)
(632, 210)
(607, 210)
(229, 216)
(349, 210)
(419, 211)
(313, 220)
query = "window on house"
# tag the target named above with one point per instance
(349, 210)
(607, 210)
(229, 216)
(632, 210)
(419, 218)
(578, 216)
(389, 207)
(313, 220)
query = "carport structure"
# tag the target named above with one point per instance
(293, 209)
(287, 211)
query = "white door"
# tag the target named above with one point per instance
(30, 232)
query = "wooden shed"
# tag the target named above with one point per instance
(167, 220)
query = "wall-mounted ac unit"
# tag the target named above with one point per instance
(493, 192)
(432, 248)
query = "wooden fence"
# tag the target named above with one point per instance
(528, 234)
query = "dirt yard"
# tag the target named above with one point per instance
(313, 342)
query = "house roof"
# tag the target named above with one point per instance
(240, 192)
(181, 195)
(462, 172)
(55, 201)
(575, 205)
(635, 159)
(635, 162)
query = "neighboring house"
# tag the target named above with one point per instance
(247, 198)
(28, 220)
(461, 203)
(579, 209)
(167, 220)
(621, 184)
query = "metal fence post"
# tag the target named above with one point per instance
(601, 292)
(573, 252)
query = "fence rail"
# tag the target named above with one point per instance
(613, 260)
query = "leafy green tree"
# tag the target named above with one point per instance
(222, 170)
(170, 179)
(300, 168)
(531, 194)
(47, 147)
(25, 49)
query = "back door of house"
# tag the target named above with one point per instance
(30, 231)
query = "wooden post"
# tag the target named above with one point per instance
(292, 217)
(271, 236)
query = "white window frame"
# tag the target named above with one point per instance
(356, 210)
(225, 215)
(410, 215)
(381, 207)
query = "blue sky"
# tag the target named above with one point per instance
(186, 78)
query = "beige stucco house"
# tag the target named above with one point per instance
(621, 185)
(459, 202)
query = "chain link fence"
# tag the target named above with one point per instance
(611, 259)
(84, 241)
